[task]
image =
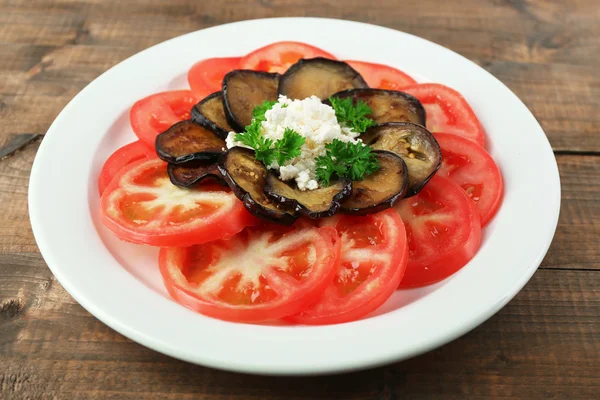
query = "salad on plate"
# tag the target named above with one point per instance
(289, 185)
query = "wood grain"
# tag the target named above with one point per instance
(546, 51)
(543, 344)
(526, 351)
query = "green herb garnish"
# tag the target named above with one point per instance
(345, 160)
(266, 150)
(259, 111)
(352, 115)
(289, 146)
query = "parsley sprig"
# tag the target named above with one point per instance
(266, 150)
(352, 115)
(345, 160)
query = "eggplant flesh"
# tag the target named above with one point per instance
(414, 144)
(193, 172)
(186, 141)
(381, 189)
(318, 203)
(246, 176)
(210, 113)
(387, 105)
(243, 90)
(320, 77)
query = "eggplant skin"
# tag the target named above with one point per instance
(192, 173)
(387, 105)
(251, 191)
(187, 141)
(320, 77)
(372, 185)
(243, 90)
(210, 113)
(404, 138)
(343, 190)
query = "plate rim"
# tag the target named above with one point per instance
(146, 339)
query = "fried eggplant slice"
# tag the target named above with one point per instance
(210, 113)
(381, 189)
(387, 105)
(246, 176)
(320, 77)
(193, 172)
(415, 144)
(318, 203)
(186, 141)
(243, 90)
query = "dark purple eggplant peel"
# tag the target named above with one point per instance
(210, 113)
(243, 90)
(186, 141)
(319, 77)
(387, 105)
(414, 144)
(246, 176)
(381, 189)
(318, 203)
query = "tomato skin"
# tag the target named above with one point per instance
(386, 260)
(121, 157)
(382, 76)
(433, 257)
(206, 76)
(447, 111)
(279, 56)
(469, 165)
(156, 113)
(124, 202)
(290, 301)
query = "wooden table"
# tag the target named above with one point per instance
(543, 344)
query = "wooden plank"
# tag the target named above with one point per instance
(534, 47)
(575, 243)
(543, 344)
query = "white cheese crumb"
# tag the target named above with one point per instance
(313, 120)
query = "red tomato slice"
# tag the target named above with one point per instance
(374, 256)
(381, 76)
(447, 111)
(260, 274)
(156, 113)
(470, 166)
(121, 157)
(277, 57)
(141, 205)
(443, 230)
(206, 76)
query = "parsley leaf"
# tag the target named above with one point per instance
(264, 149)
(352, 115)
(289, 146)
(259, 111)
(345, 160)
(252, 137)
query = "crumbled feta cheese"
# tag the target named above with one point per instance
(313, 120)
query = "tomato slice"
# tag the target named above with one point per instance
(259, 274)
(277, 57)
(443, 230)
(156, 113)
(374, 256)
(472, 168)
(141, 205)
(382, 76)
(206, 76)
(447, 111)
(121, 157)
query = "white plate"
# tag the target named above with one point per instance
(120, 284)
